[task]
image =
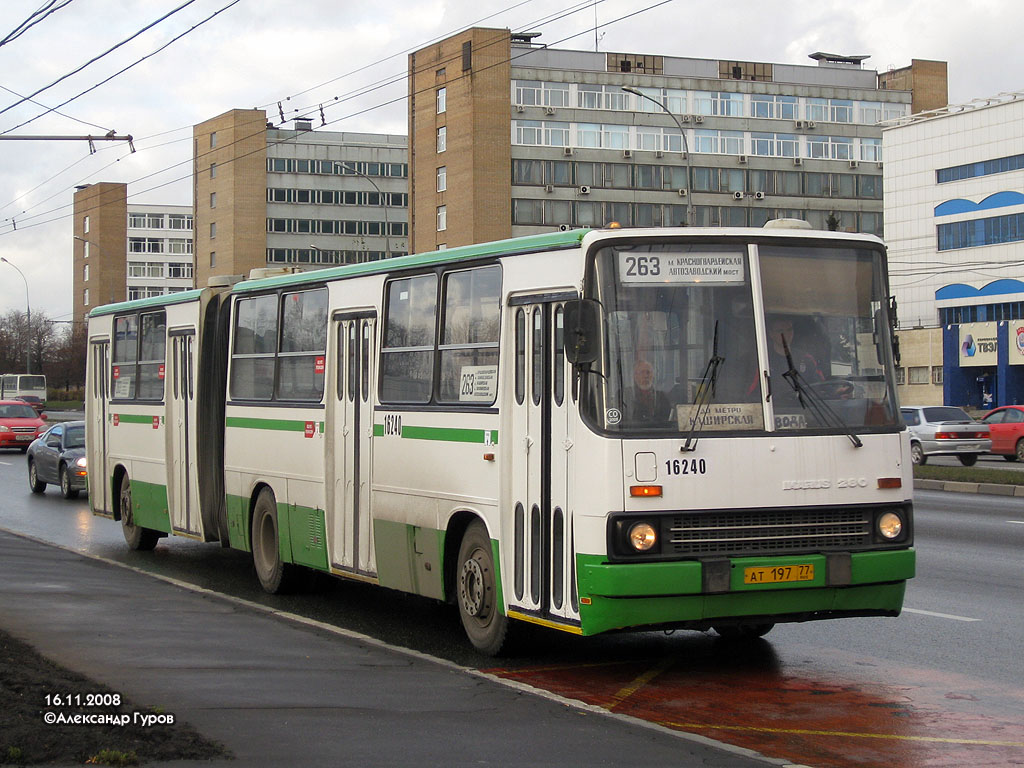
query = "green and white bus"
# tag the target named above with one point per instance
(593, 430)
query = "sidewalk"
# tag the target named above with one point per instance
(952, 486)
(278, 691)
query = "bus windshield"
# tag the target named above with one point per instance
(681, 350)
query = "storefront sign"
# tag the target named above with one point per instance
(1016, 337)
(978, 346)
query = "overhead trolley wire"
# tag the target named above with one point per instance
(31, 21)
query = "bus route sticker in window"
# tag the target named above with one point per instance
(686, 268)
(478, 383)
(123, 387)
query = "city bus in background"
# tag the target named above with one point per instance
(592, 430)
(30, 387)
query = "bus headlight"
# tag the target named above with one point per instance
(890, 525)
(642, 536)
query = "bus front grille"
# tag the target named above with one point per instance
(766, 531)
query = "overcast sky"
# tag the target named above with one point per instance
(351, 58)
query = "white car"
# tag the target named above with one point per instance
(945, 430)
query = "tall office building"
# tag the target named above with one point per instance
(125, 250)
(508, 137)
(298, 197)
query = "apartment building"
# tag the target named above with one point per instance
(954, 224)
(509, 137)
(299, 197)
(124, 250)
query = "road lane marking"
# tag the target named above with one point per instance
(940, 615)
(624, 693)
(1016, 522)
(8, 464)
(844, 734)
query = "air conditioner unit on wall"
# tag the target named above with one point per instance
(567, 151)
(520, 108)
(799, 123)
(549, 188)
(798, 161)
(854, 163)
(742, 159)
(685, 118)
(682, 193)
(698, 118)
(658, 153)
(584, 190)
(627, 153)
(737, 195)
(759, 195)
(811, 124)
(549, 110)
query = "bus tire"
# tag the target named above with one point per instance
(741, 632)
(65, 484)
(138, 538)
(477, 593)
(276, 576)
(37, 485)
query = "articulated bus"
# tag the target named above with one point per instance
(593, 430)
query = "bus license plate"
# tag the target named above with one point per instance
(779, 574)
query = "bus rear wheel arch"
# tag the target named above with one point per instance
(275, 575)
(476, 592)
(137, 537)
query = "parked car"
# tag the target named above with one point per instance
(58, 457)
(1006, 426)
(19, 424)
(937, 430)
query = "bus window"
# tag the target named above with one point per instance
(469, 349)
(255, 341)
(151, 356)
(520, 356)
(407, 356)
(303, 346)
(126, 336)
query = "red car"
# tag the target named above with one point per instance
(1007, 427)
(19, 424)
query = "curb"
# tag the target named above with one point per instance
(992, 489)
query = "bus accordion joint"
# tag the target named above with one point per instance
(641, 491)
(890, 482)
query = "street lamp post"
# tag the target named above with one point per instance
(28, 317)
(686, 151)
(383, 205)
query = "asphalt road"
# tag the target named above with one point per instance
(946, 674)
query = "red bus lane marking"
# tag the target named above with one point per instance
(824, 712)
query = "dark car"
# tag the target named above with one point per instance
(58, 457)
(19, 424)
(1006, 425)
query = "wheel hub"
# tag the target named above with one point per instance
(471, 588)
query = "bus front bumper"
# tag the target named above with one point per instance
(697, 595)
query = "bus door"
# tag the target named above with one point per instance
(542, 557)
(351, 433)
(98, 432)
(181, 481)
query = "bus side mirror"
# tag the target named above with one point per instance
(582, 330)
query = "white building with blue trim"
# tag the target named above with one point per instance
(953, 191)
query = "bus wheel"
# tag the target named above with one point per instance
(734, 632)
(481, 615)
(275, 576)
(137, 537)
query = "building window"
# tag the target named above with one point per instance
(442, 178)
(442, 218)
(213, 199)
(936, 374)
(213, 258)
(85, 225)
(442, 139)
(901, 376)
(85, 273)
(919, 374)
(213, 229)
(442, 96)
(85, 297)
(213, 170)
(989, 231)
(982, 168)
(85, 248)
(213, 139)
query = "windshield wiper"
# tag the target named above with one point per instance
(705, 395)
(814, 402)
